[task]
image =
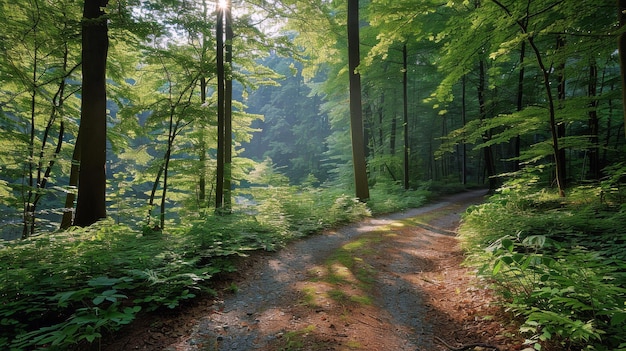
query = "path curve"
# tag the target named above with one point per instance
(247, 319)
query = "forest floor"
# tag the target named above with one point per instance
(394, 282)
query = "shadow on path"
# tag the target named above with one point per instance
(282, 304)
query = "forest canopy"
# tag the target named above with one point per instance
(467, 91)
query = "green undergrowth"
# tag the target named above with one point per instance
(64, 290)
(559, 263)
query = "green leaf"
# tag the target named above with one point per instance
(103, 281)
(507, 259)
(618, 318)
(507, 244)
(92, 337)
(98, 300)
(497, 267)
(518, 258)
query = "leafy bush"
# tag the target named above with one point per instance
(560, 264)
(64, 289)
(387, 197)
(296, 211)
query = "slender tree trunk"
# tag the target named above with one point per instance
(219, 183)
(464, 121)
(155, 186)
(202, 146)
(91, 204)
(444, 159)
(560, 126)
(560, 181)
(490, 166)
(370, 140)
(392, 135)
(405, 100)
(607, 138)
(520, 103)
(621, 11)
(381, 115)
(594, 123)
(29, 210)
(228, 108)
(57, 104)
(356, 112)
(166, 165)
(43, 179)
(202, 153)
(523, 24)
(68, 208)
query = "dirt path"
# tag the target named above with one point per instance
(387, 283)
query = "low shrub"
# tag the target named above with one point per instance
(59, 290)
(559, 264)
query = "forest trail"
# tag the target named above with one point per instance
(388, 283)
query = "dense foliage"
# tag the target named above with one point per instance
(521, 93)
(560, 265)
(68, 288)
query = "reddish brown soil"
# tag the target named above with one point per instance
(388, 283)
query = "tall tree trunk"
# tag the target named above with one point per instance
(392, 135)
(29, 210)
(202, 153)
(560, 180)
(91, 204)
(594, 123)
(405, 103)
(219, 183)
(523, 24)
(228, 108)
(520, 103)
(202, 146)
(370, 140)
(609, 129)
(155, 186)
(381, 115)
(57, 104)
(490, 166)
(464, 121)
(560, 127)
(356, 112)
(621, 11)
(445, 166)
(166, 166)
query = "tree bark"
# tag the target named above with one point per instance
(621, 11)
(219, 183)
(405, 103)
(490, 166)
(392, 135)
(381, 115)
(594, 123)
(560, 126)
(463, 122)
(560, 181)
(523, 24)
(91, 203)
(202, 153)
(356, 110)
(166, 167)
(228, 107)
(520, 102)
